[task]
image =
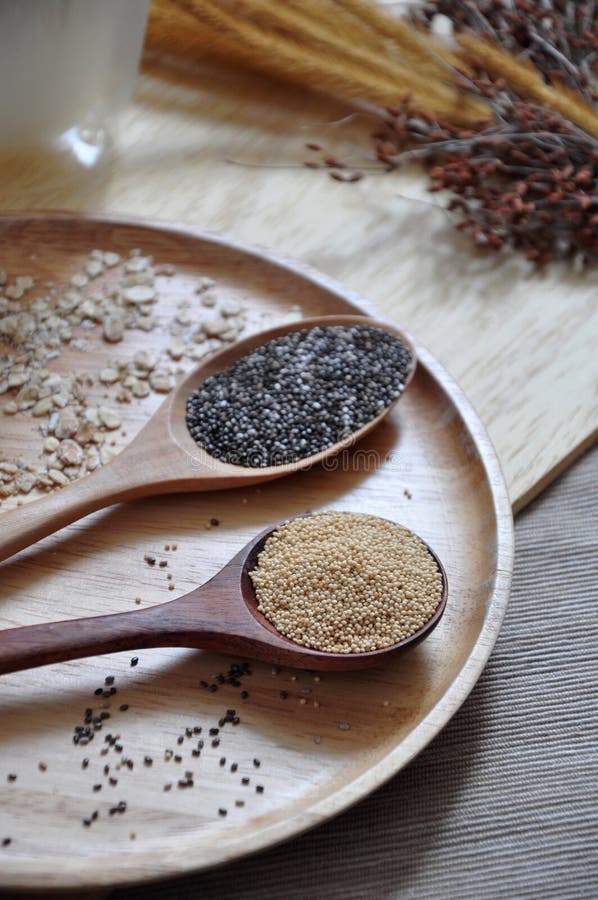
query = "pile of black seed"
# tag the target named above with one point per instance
(298, 394)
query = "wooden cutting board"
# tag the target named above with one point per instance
(521, 343)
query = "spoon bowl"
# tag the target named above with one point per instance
(163, 458)
(221, 615)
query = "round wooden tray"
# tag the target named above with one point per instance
(430, 466)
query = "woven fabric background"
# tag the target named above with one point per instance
(504, 803)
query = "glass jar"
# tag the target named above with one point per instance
(66, 68)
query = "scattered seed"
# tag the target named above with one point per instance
(134, 661)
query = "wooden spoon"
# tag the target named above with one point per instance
(220, 615)
(164, 458)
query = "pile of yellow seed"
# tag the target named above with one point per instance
(345, 582)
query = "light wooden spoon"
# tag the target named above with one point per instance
(221, 615)
(164, 458)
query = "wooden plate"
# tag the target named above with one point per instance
(322, 743)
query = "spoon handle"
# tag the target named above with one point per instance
(164, 625)
(38, 645)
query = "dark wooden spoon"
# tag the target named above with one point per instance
(220, 615)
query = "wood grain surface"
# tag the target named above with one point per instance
(321, 741)
(521, 343)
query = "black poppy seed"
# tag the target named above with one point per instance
(87, 822)
(231, 712)
(118, 748)
(168, 754)
(234, 767)
(98, 691)
(216, 742)
(178, 758)
(222, 760)
(104, 715)
(134, 661)
(214, 731)
(257, 763)
(221, 811)
(298, 394)
(197, 729)
(259, 788)
(244, 695)
(236, 720)
(109, 679)
(147, 761)
(180, 739)
(200, 744)
(112, 691)
(11, 776)
(89, 711)
(203, 684)
(97, 787)
(94, 815)
(106, 769)
(163, 563)
(150, 560)
(6, 841)
(245, 780)
(104, 751)
(223, 721)
(283, 695)
(213, 688)
(167, 786)
(188, 732)
(113, 781)
(215, 522)
(239, 803)
(219, 678)
(195, 752)
(123, 707)
(42, 766)
(129, 763)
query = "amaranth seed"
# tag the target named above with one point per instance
(346, 582)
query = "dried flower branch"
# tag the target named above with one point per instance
(528, 181)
